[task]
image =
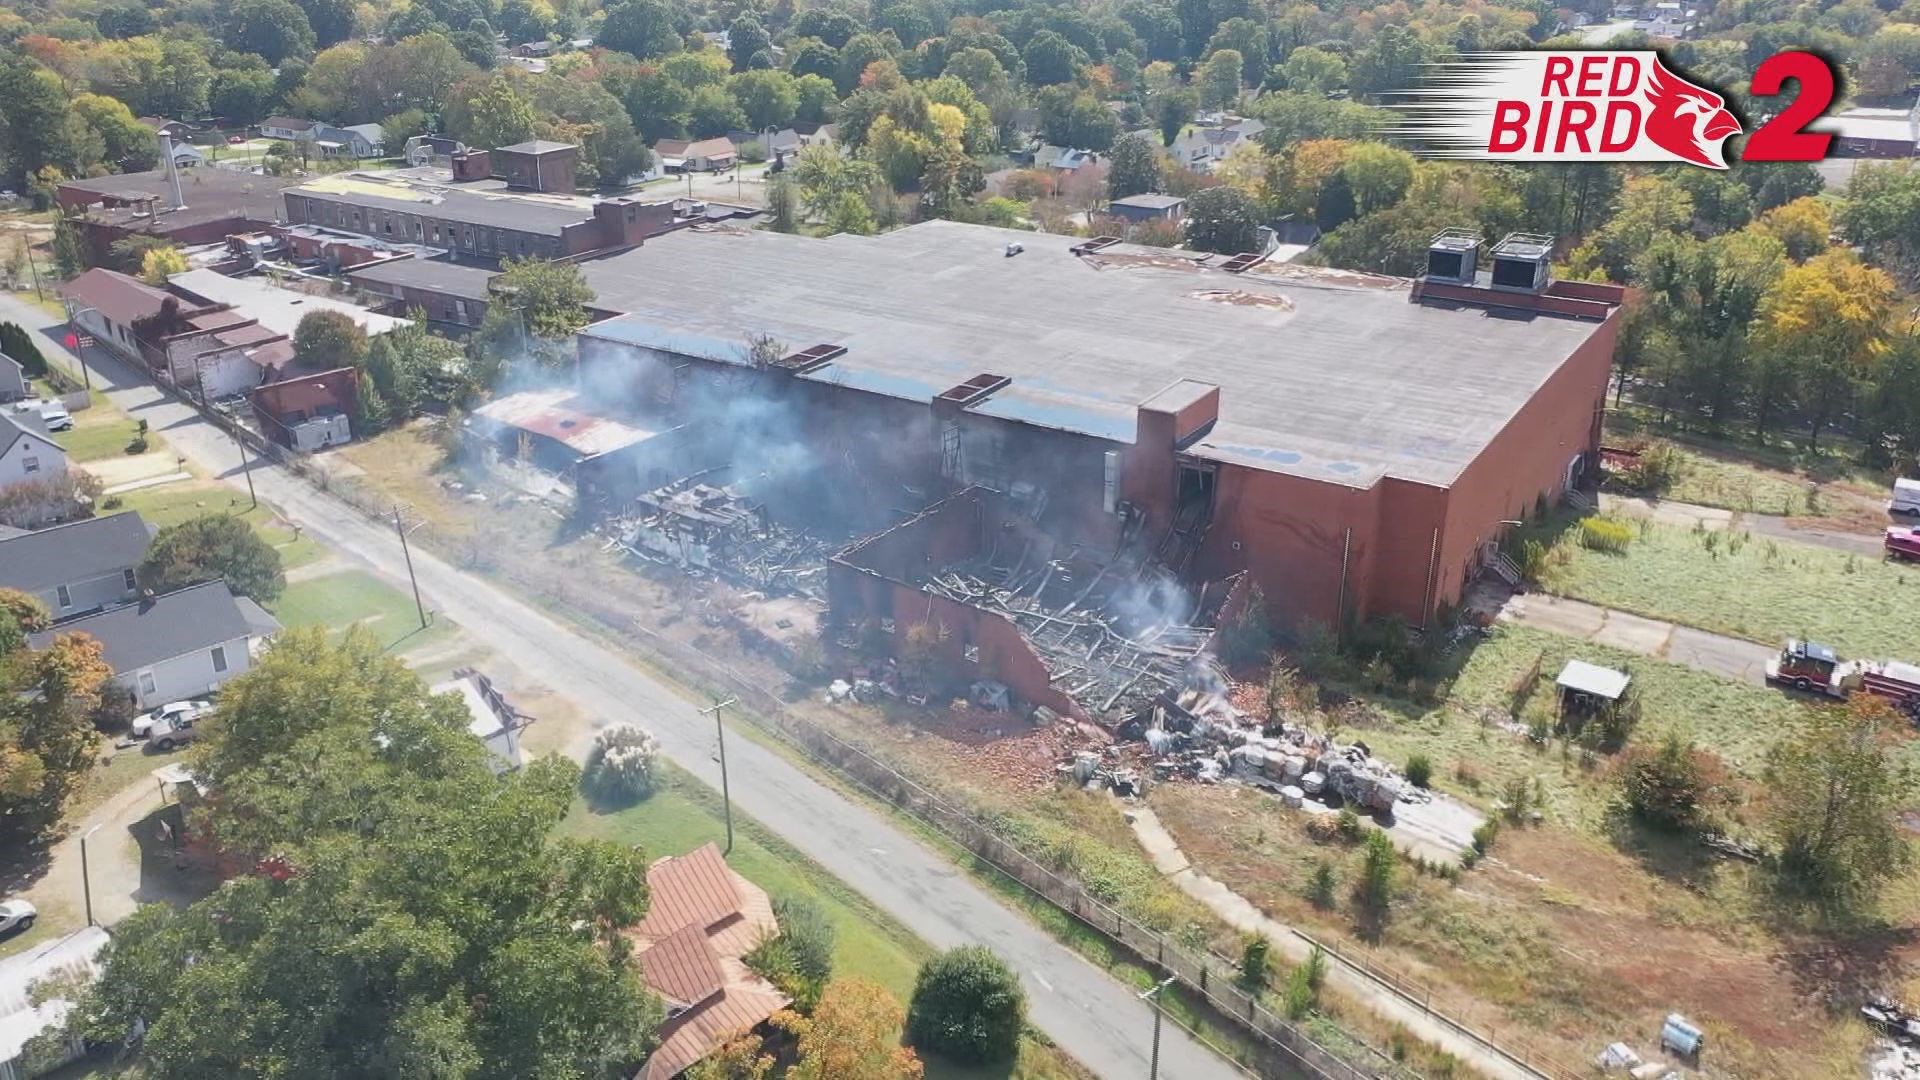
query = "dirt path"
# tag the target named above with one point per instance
(1687, 516)
(113, 861)
(1352, 984)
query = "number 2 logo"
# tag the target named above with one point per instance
(1785, 137)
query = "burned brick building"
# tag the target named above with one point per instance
(1347, 442)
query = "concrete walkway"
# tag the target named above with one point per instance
(1688, 516)
(1352, 984)
(1716, 654)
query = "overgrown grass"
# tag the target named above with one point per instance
(1758, 588)
(355, 597)
(1781, 477)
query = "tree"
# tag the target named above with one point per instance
(1314, 71)
(1835, 795)
(1221, 219)
(1379, 871)
(967, 1006)
(658, 105)
(714, 112)
(241, 96)
(1378, 175)
(1390, 62)
(47, 698)
(1829, 316)
(125, 21)
(325, 340)
(824, 175)
(1882, 215)
(18, 344)
(158, 264)
(36, 126)
(1218, 80)
(214, 546)
(541, 306)
(331, 20)
(126, 144)
(1173, 111)
(499, 116)
(642, 28)
(811, 56)
(853, 1034)
(1134, 167)
(783, 205)
(858, 54)
(1803, 226)
(1052, 59)
(746, 38)
(814, 98)
(768, 99)
(414, 914)
(272, 29)
(1669, 788)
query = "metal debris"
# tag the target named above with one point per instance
(704, 526)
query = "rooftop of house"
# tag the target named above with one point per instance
(1149, 201)
(278, 310)
(432, 275)
(77, 551)
(120, 298)
(210, 195)
(564, 416)
(548, 215)
(536, 147)
(1328, 374)
(290, 123)
(159, 628)
(718, 146)
(16, 425)
(36, 968)
(1882, 125)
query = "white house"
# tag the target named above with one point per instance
(27, 452)
(13, 379)
(78, 567)
(21, 1020)
(494, 722)
(177, 645)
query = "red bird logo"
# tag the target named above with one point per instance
(1689, 122)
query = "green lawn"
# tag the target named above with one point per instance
(97, 434)
(1751, 587)
(350, 597)
(685, 813)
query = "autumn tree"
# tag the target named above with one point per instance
(853, 1034)
(214, 546)
(1827, 318)
(47, 698)
(159, 264)
(1803, 226)
(1835, 793)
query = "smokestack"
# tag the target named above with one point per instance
(173, 170)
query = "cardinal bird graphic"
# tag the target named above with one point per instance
(1685, 120)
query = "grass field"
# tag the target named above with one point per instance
(1757, 588)
(1782, 478)
(98, 434)
(357, 598)
(685, 813)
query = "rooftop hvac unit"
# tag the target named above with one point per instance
(1453, 256)
(1523, 262)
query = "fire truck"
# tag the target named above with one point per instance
(1814, 668)
(1903, 542)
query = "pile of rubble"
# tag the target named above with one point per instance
(1104, 643)
(704, 527)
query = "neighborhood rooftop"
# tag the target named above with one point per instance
(73, 552)
(433, 275)
(1328, 374)
(279, 310)
(210, 194)
(142, 634)
(522, 211)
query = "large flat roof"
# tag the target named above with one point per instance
(524, 212)
(1323, 373)
(211, 194)
(434, 275)
(279, 310)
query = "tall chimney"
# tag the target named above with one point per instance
(173, 170)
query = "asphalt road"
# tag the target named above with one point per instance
(1090, 1014)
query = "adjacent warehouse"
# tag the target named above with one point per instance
(1348, 441)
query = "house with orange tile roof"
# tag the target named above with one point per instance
(702, 919)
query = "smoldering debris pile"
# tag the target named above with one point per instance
(1115, 636)
(701, 526)
(1200, 736)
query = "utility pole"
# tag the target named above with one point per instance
(246, 464)
(400, 527)
(1152, 996)
(86, 883)
(726, 794)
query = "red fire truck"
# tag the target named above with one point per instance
(1812, 667)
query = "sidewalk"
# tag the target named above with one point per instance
(1728, 657)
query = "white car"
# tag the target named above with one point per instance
(144, 724)
(173, 731)
(55, 416)
(16, 915)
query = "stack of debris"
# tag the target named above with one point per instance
(1116, 637)
(699, 525)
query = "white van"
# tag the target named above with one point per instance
(1906, 497)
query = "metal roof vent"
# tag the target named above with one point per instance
(1523, 262)
(1453, 256)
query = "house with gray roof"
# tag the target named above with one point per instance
(27, 452)
(80, 567)
(13, 379)
(176, 645)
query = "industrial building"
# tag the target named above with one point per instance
(1349, 443)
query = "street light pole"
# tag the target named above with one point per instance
(401, 528)
(726, 794)
(79, 349)
(1153, 996)
(86, 883)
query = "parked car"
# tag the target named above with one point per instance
(16, 915)
(174, 731)
(55, 416)
(144, 724)
(1903, 542)
(236, 140)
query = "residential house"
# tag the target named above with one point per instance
(534, 49)
(111, 305)
(177, 645)
(172, 129)
(327, 140)
(1203, 146)
(495, 722)
(702, 919)
(27, 452)
(13, 379)
(287, 127)
(187, 157)
(23, 1019)
(1150, 206)
(1064, 160)
(366, 140)
(308, 412)
(699, 155)
(80, 567)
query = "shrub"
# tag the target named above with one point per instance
(1667, 788)
(1378, 873)
(1420, 771)
(1658, 466)
(214, 546)
(1607, 534)
(137, 445)
(967, 1006)
(1483, 836)
(798, 959)
(1256, 956)
(1298, 998)
(1321, 887)
(621, 766)
(1347, 824)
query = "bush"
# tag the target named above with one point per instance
(1303, 984)
(1420, 771)
(1322, 887)
(799, 959)
(968, 1007)
(214, 546)
(622, 765)
(1378, 873)
(1667, 788)
(1256, 958)
(1656, 469)
(1347, 824)
(1483, 836)
(1601, 533)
